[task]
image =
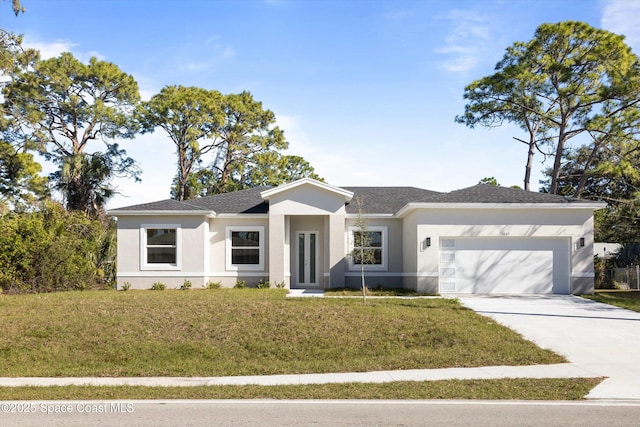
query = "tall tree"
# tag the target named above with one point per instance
(613, 151)
(264, 169)
(247, 132)
(612, 174)
(509, 96)
(70, 105)
(20, 182)
(272, 169)
(569, 79)
(192, 117)
(223, 142)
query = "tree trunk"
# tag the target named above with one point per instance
(557, 162)
(225, 173)
(583, 177)
(529, 165)
(182, 159)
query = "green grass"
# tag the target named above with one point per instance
(625, 299)
(244, 332)
(370, 292)
(521, 389)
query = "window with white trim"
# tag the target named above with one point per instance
(376, 245)
(245, 248)
(160, 246)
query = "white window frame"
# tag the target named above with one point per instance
(368, 267)
(261, 248)
(144, 264)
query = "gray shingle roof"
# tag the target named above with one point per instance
(483, 193)
(386, 200)
(162, 205)
(243, 201)
(376, 200)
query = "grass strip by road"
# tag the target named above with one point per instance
(245, 332)
(624, 299)
(518, 388)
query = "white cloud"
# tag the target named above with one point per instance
(621, 17)
(55, 48)
(49, 49)
(465, 43)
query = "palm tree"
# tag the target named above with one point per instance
(84, 180)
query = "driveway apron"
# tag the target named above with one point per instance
(596, 337)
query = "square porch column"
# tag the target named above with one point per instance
(337, 250)
(277, 250)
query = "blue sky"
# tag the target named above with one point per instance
(366, 91)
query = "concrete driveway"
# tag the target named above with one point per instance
(596, 337)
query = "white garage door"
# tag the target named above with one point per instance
(504, 265)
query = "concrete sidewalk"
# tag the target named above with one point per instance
(564, 370)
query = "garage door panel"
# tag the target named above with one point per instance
(504, 271)
(506, 266)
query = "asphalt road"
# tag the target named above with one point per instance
(268, 413)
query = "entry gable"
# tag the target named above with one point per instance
(306, 196)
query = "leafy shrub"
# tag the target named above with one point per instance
(263, 285)
(51, 249)
(125, 286)
(281, 285)
(104, 257)
(186, 285)
(240, 284)
(213, 285)
(158, 286)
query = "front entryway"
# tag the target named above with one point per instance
(307, 259)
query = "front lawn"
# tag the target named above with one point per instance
(244, 332)
(625, 299)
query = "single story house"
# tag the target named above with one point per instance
(482, 239)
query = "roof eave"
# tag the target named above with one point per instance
(370, 215)
(430, 205)
(243, 215)
(124, 212)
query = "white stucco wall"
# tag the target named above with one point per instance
(192, 250)
(390, 276)
(218, 271)
(451, 223)
(306, 200)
